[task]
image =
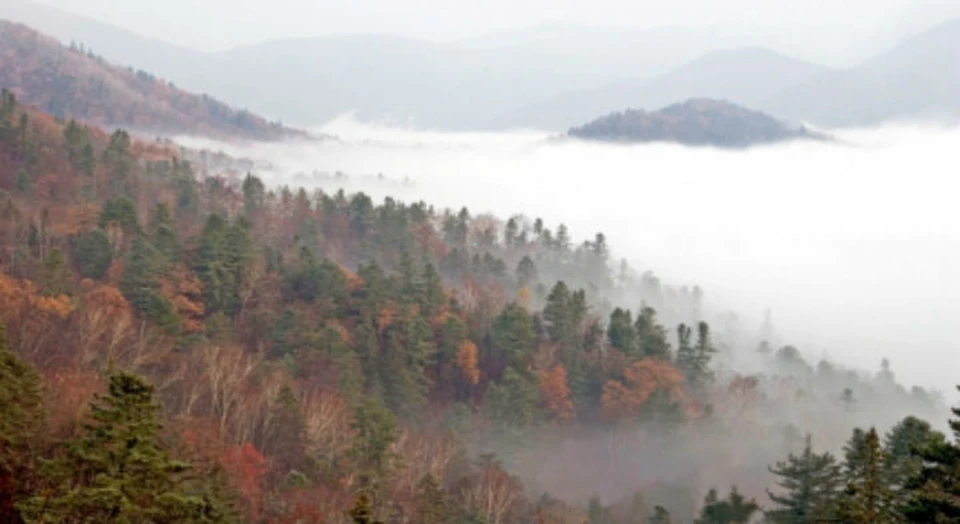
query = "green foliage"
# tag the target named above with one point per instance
(868, 497)
(808, 487)
(21, 417)
(375, 430)
(513, 402)
(286, 434)
(432, 504)
(121, 211)
(935, 490)
(734, 510)
(694, 360)
(512, 334)
(223, 256)
(93, 254)
(660, 516)
(140, 283)
(117, 470)
(408, 344)
(163, 233)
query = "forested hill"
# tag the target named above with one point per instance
(73, 83)
(697, 122)
(176, 348)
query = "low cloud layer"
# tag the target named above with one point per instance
(854, 246)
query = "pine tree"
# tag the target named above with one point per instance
(117, 471)
(935, 491)
(651, 335)
(903, 445)
(140, 283)
(362, 511)
(808, 483)
(93, 254)
(660, 516)
(21, 415)
(512, 333)
(286, 435)
(163, 233)
(868, 497)
(734, 510)
(621, 334)
(432, 504)
(375, 430)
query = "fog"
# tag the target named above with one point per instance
(854, 246)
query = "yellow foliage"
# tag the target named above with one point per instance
(468, 362)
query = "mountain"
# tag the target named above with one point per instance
(918, 78)
(696, 122)
(748, 76)
(70, 83)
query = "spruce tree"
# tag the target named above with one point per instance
(935, 490)
(432, 504)
(117, 471)
(21, 415)
(809, 483)
(735, 509)
(867, 497)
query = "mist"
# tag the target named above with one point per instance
(853, 246)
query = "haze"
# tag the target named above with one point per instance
(855, 247)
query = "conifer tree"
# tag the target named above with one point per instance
(117, 471)
(935, 490)
(734, 510)
(21, 415)
(867, 497)
(808, 487)
(432, 504)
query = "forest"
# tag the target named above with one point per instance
(190, 347)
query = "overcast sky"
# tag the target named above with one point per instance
(219, 24)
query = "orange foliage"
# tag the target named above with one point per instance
(32, 319)
(246, 467)
(468, 362)
(68, 396)
(642, 379)
(556, 393)
(385, 318)
(184, 290)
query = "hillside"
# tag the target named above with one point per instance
(918, 78)
(70, 83)
(284, 355)
(745, 76)
(696, 122)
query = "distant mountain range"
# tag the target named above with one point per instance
(552, 78)
(696, 122)
(71, 83)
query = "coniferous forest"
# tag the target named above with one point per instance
(189, 347)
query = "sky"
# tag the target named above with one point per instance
(221, 24)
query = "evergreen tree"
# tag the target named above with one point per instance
(93, 254)
(526, 272)
(286, 434)
(513, 402)
(935, 490)
(734, 510)
(117, 471)
(652, 336)
(660, 516)
(408, 344)
(375, 430)
(621, 334)
(513, 334)
(163, 232)
(903, 445)
(140, 283)
(432, 504)
(362, 511)
(809, 483)
(868, 497)
(21, 415)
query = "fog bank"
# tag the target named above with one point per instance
(854, 246)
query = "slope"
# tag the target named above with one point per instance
(745, 76)
(70, 83)
(918, 78)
